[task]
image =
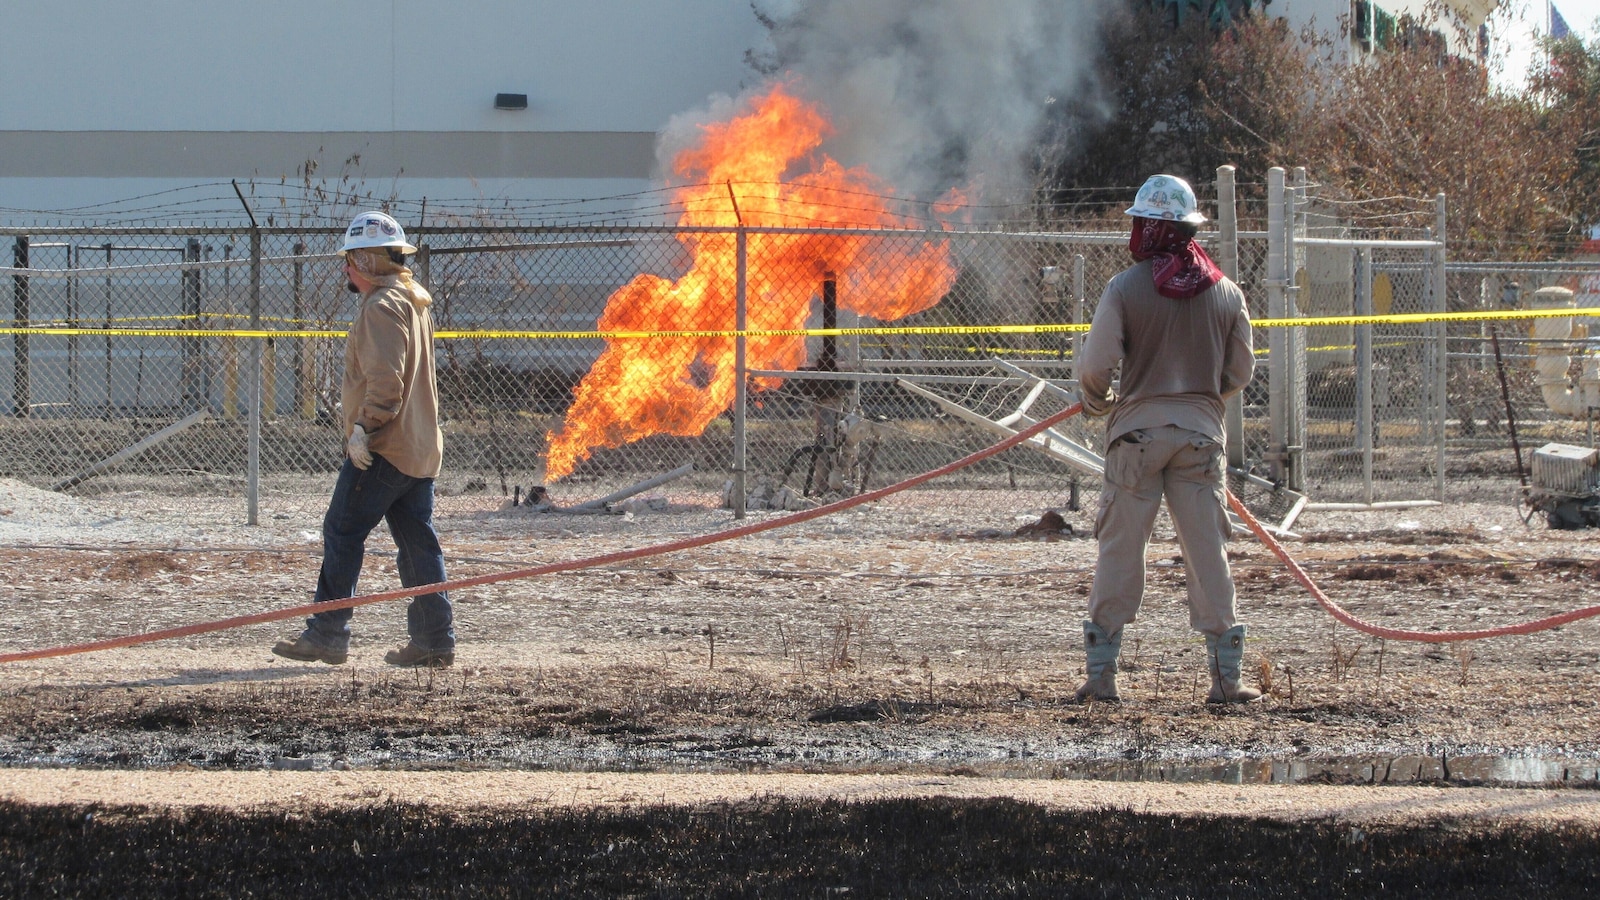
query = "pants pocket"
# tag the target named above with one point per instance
(1125, 460)
(384, 474)
(1108, 496)
(1205, 456)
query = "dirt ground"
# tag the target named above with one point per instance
(923, 646)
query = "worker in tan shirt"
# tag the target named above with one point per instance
(1180, 330)
(393, 449)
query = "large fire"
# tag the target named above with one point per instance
(767, 161)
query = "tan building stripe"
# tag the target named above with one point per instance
(270, 154)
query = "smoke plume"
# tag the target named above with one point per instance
(928, 94)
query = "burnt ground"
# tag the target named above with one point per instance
(893, 640)
(922, 848)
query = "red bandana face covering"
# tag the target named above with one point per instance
(1181, 268)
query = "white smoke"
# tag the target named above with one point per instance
(929, 94)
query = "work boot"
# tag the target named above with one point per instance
(304, 649)
(412, 656)
(1224, 656)
(1101, 650)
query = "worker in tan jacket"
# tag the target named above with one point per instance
(1180, 330)
(393, 449)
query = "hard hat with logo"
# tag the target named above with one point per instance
(1166, 197)
(375, 229)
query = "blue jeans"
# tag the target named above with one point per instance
(361, 499)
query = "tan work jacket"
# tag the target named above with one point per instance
(389, 383)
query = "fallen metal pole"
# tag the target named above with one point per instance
(645, 485)
(1367, 507)
(127, 453)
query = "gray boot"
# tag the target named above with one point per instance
(1102, 650)
(1224, 656)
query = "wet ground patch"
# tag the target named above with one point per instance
(629, 719)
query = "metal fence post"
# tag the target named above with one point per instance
(304, 405)
(20, 390)
(1227, 223)
(1080, 295)
(1441, 290)
(111, 404)
(253, 463)
(230, 344)
(1277, 455)
(1294, 265)
(1228, 259)
(1363, 341)
(73, 321)
(192, 397)
(741, 252)
(1080, 291)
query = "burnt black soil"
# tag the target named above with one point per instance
(926, 848)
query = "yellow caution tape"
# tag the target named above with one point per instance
(57, 330)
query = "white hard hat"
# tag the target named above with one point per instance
(375, 229)
(1166, 197)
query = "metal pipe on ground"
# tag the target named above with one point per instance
(641, 487)
(1370, 507)
(127, 453)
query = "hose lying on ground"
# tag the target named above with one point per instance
(1250, 520)
(548, 569)
(1396, 634)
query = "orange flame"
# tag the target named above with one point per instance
(679, 385)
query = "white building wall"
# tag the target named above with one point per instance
(101, 101)
(108, 100)
(1333, 18)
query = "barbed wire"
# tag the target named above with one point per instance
(306, 202)
(215, 202)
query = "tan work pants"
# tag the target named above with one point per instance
(1187, 468)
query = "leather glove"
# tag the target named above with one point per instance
(356, 447)
(1097, 407)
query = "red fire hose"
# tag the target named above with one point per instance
(1300, 575)
(1397, 634)
(550, 568)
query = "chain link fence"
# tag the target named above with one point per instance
(1486, 415)
(159, 332)
(595, 358)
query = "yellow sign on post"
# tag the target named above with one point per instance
(1382, 294)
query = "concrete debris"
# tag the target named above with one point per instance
(769, 494)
